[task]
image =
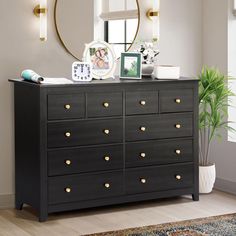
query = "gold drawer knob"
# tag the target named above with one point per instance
(143, 129)
(143, 103)
(178, 152)
(68, 190)
(142, 154)
(178, 177)
(67, 106)
(107, 158)
(106, 104)
(106, 131)
(67, 134)
(178, 100)
(107, 185)
(68, 162)
(178, 126)
(143, 181)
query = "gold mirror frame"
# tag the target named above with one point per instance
(71, 53)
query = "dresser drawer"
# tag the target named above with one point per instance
(153, 179)
(158, 152)
(75, 133)
(66, 106)
(141, 102)
(176, 100)
(104, 104)
(158, 126)
(85, 187)
(79, 160)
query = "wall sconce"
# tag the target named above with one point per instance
(41, 12)
(153, 14)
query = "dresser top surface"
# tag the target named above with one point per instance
(111, 81)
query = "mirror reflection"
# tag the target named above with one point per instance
(81, 21)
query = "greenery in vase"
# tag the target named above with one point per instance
(214, 96)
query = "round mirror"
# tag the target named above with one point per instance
(79, 22)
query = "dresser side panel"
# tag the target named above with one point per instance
(27, 145)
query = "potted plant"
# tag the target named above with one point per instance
(149, 57)
(213, 104)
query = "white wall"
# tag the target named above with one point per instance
(219, 31)
(180, 33)
(232, 66)
(20, 48)
(215, 18)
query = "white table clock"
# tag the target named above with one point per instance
(81, 71)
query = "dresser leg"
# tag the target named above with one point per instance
(43, 217)
(19, 205)
(195, 197)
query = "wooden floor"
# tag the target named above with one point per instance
(24, 223)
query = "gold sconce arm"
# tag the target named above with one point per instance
(150, 13)
(38, 10)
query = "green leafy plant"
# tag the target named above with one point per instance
(213, 105)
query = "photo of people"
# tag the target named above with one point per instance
(99, 58)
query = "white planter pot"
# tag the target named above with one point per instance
(207, 177)
(147, 69)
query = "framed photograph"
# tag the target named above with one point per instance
(102, 58)
(130, 65)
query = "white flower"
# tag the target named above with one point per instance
(149, 54)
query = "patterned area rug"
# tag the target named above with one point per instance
(213, 226)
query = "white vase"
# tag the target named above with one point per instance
(207, 177)
(147, 69)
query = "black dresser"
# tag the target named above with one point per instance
(106, 142)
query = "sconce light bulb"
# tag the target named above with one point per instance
(156, 22)
(43, 20)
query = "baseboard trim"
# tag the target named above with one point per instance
(225, 186)
(7, 201)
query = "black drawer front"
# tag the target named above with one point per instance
(141, 102)
(158, 152)
(75, 133)
(107, 104)
(176, 100)
(85, 187)
(153, 179)
(66, 106)
(79, 160)
(158, 126)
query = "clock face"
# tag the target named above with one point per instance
(81, 71)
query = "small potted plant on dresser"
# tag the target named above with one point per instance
(213, 104)
(149, 57)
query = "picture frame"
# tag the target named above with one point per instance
(102, 58)
(131, 65)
